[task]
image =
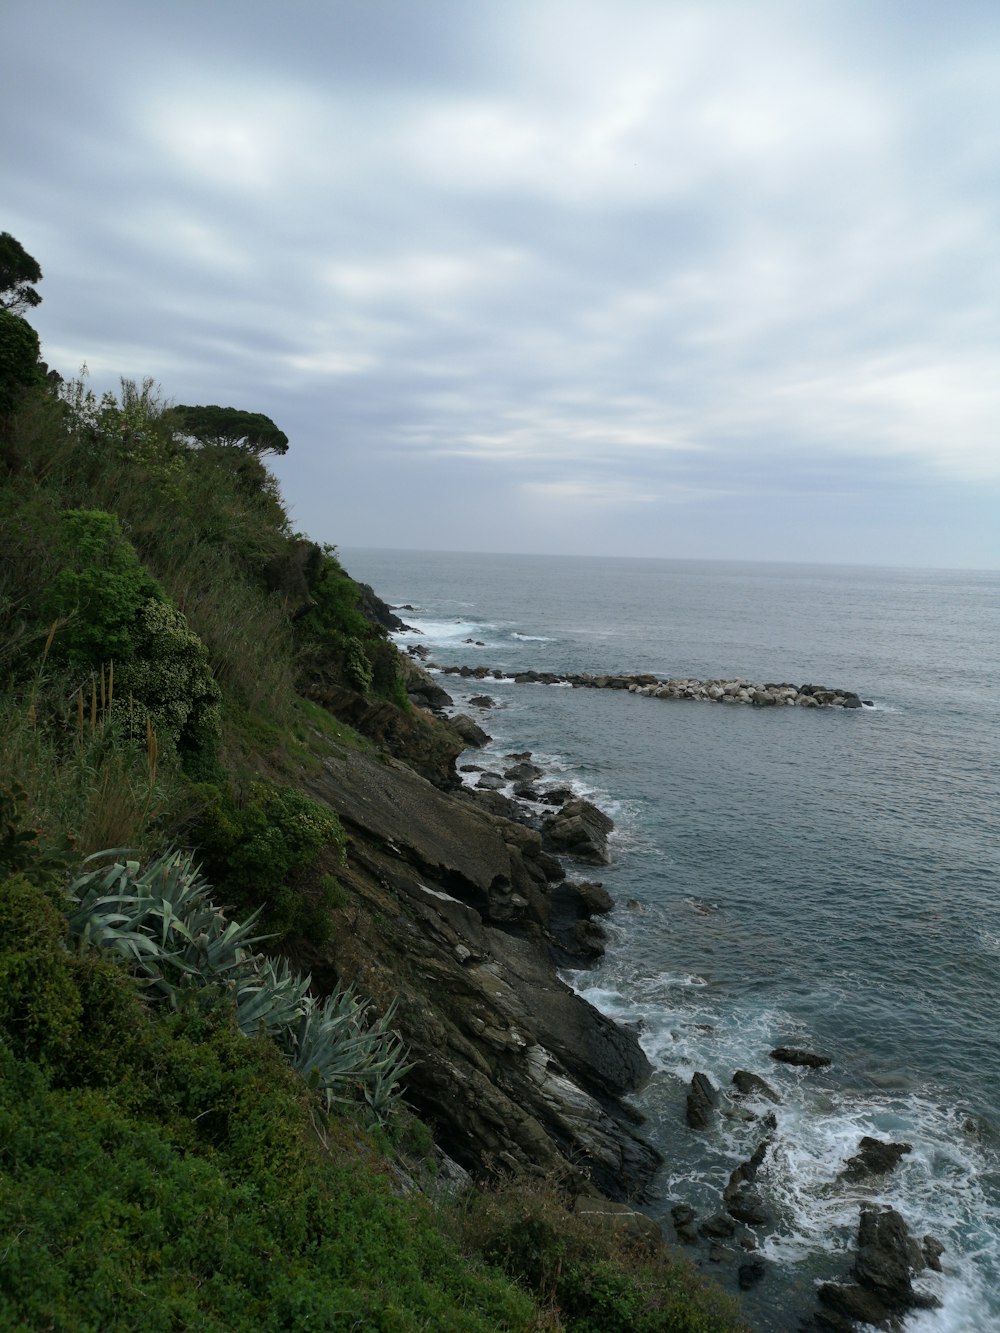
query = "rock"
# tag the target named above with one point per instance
(471, 732)
(851, 1303)
(421, 687)
(752, 1085)
(932, 1252)
(791, 1055)
(556, 795)
(883, 1265)
(750, 1273)
(580, 830)
(701, 1102)
(875, 1158)
(685, 1223)
(719, 1227)
(491, 781)
(522, 772)
(482, 701)
(747, 1205)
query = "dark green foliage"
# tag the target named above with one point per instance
(233, 426)
(19, 271)
(158, 1171)
(169, 677)
(99, 591)
(273, 846)
(339, 638)
(19, 368)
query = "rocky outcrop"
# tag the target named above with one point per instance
(888, 1257)
(702, 1099)
(449, 917)
(579, 830)
(874, 1158)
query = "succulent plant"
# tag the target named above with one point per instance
(163, 922)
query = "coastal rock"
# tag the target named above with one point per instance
(470, 731)
(791, 1055)
(522, 772)
(446, 918)
(887, 1258)
(874, 1158)
(482, 701)
(491, 781)
(702, 1100)
(752, 1085)
(421, 687)
(580, 830)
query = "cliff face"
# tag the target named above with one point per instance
(450, 914)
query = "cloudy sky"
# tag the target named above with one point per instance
(620, 277)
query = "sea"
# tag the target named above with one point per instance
(822, 878)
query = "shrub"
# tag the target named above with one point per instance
(18, 359)
(260, 852)
(168, 676)
(99, 590)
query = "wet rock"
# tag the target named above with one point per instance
(580, 830)
(685, 1223)
(522, 772)
(750, 1273)
(482, 701)
(702, 1100)
(491, 781)
(719, 1227)
(747, 1205)
(874, 1158)
(932, 1250)
(556, 795)
(887, 1258)
(471, 732)
(884, 1261)
(752, 1085)
(792, 1055)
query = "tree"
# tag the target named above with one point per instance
(232, 426)
(18, 359)
(18, 271)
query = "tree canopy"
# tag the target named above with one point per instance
(231, 425)
(18, 271)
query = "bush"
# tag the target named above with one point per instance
(265, 851)
(99, 591)
(19, 367)
(168, 676)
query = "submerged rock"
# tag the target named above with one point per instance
(791, 1055)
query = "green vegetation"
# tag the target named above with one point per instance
(194, 1136)
(19, 272)
(233, 426)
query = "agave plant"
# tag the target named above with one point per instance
(163, 922)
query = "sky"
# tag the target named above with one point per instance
(605, 277)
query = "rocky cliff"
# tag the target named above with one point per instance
(457, 915)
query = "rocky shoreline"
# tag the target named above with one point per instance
(561, 919)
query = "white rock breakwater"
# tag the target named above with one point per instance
(732, 690)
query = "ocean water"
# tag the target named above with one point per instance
(825, 878)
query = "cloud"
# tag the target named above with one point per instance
(619, 259)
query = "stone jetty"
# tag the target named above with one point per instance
(733, 690)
